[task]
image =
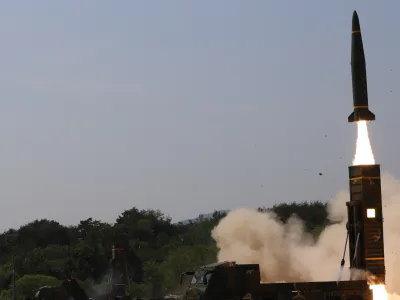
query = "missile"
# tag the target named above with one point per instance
(359, 76)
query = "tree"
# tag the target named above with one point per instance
(312, 213)
(41, 233)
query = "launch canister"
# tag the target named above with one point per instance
(359, 75)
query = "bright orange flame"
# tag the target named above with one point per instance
(379, 291)
(364, 155)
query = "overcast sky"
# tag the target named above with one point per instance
(186, 106)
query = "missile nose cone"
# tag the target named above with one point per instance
(355, 22)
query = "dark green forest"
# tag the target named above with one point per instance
(45, 252)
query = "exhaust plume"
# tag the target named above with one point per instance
(286, 253)
(364, 155)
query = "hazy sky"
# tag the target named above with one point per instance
(186, 106)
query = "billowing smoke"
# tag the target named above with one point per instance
(286, 253)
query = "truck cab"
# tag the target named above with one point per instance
(224, 280)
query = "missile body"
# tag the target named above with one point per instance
(359, 76)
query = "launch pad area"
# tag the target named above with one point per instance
(228, 280)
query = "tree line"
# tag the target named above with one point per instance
(44, 252)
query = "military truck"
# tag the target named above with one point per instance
(228, 280)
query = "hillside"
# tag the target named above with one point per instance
(158, 251)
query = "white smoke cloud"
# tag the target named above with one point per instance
(286, 253)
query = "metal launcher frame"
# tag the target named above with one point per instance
(119, 275)
(365, 221)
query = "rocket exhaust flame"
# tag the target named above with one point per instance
(364, 154)
(379, 292)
